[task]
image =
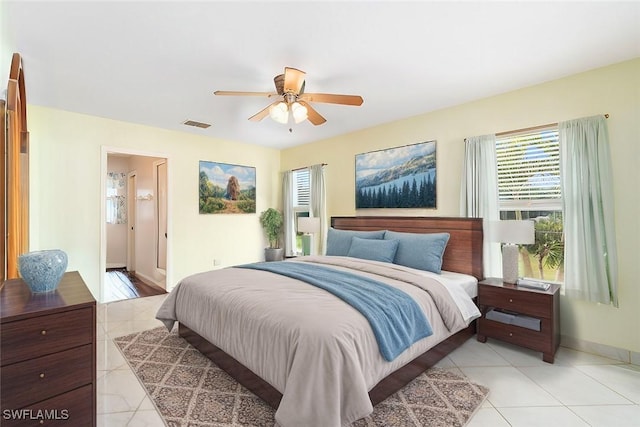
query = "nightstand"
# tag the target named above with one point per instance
(537, 310)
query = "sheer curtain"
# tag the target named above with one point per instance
(318, 206)
(590, 259)
(479, 195)
(116, 205)
(288, 226)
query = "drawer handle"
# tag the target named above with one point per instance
(510, 334)
(510, 300)
(43, 332)
(42, 375)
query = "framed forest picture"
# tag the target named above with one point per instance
(226, 188)
(400, 177)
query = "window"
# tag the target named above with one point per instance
(529, 188)
(116, 205)
(301, 197)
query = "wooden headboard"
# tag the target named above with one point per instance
(464, 250)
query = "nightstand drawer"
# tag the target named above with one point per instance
(46, 376)
(38, 336)
(514, 334)
(530, 303)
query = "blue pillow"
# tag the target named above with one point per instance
(421, 251)
(373, 249)
(339, 241)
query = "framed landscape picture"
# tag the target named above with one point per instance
(400, 177)
(226, 188)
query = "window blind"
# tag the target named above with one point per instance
(301, 188)
(529, 169)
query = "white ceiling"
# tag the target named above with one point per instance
(158, 63)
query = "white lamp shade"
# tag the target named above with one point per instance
(299, 112)
(513, 231)
(308, 224)
(279, 112)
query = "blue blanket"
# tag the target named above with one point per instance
(396, 319)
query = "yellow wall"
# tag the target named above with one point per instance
(65, 178)
(614, 89)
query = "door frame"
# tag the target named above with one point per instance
(102, 261)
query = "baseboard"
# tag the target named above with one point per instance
(115, 265)
(622, 355)
(148, 280)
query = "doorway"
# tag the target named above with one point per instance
(135, 238)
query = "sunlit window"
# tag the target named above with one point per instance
(301, 192)
(529, 188)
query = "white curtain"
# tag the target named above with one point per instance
(590, 259)
(479, 195)
(318, 206)
(289, 225)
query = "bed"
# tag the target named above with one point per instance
(307, 353)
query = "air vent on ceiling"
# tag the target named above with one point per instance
(196, 124)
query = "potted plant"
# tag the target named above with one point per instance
(272, 221)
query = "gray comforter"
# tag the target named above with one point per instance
(318, 351)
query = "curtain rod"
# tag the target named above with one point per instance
(306, 167)
(606, 116)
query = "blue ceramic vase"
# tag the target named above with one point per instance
(42, 270)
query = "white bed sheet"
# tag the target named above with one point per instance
(459, 286)
(468, 283)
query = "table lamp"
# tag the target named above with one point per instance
(308, 226)
(512, 233)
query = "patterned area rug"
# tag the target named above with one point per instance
(190, 391)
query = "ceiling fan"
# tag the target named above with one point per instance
(292, 99)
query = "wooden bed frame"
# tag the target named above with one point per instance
(463, 255)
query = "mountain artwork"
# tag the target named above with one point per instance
(400, 177)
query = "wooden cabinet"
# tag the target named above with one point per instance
(537, 305)
(48, 354)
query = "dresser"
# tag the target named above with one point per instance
(48, 355)
(523, 316)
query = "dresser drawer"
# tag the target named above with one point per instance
(37, 336)
(74, 408)
(524, 302)
(39, 379)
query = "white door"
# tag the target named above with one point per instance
(131, 221)
(161, 215)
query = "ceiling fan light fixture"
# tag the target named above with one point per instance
(299, 112)
(279, 112)
(294, 101)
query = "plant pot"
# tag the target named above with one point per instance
(273, 254)
(42, 270)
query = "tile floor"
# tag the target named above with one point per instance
(579, 389)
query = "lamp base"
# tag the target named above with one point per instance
(510, 254)
(306, 244)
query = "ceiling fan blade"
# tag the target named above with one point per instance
(312, 115)
(330, 98)
(293, 79)
(278, 81)
(233, 93)
(262, 113)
